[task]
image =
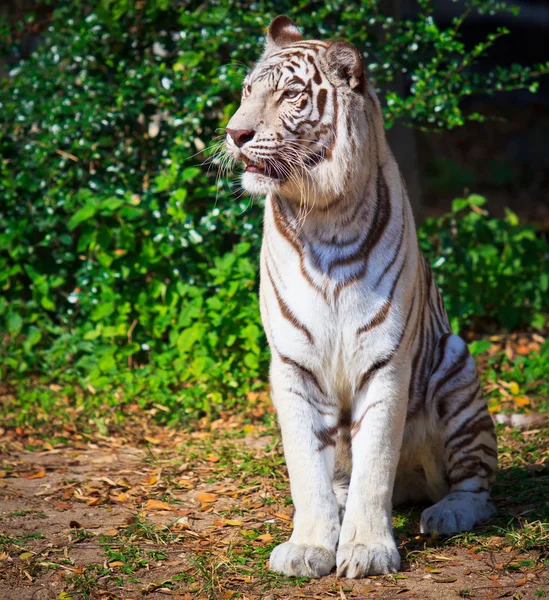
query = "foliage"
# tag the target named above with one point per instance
(525, 378)
(491, 271)
(127, 268)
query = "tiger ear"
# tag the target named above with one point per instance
(345, 62)
(282, 32)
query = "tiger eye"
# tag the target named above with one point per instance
(246, 91)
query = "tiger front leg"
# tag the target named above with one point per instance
(366, 542)
(309, 425)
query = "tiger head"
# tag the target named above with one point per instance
(308, 118)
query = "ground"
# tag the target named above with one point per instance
(152, 512)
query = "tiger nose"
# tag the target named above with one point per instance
(241, 136)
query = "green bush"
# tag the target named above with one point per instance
(126, 264)
(494, 273)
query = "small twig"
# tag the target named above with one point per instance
(60, 152)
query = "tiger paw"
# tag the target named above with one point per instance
(356, 560)
(301, 560)
(459, 511)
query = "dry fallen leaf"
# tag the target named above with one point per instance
(233, 523)
(444, 579)
(154, 441)
(96, 501)
(182, 523)
(283, 516)
(158, 505)
(116, 563)
(206, 497)
(432, 570)
(37, 475)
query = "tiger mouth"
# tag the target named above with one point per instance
(263, 168)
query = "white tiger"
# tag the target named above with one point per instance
(377, 401)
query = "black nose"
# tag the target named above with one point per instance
(241, 136)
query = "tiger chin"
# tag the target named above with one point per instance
(377, 401)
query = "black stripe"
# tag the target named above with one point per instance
(305, 373)
(462, 405)
(381, 315)
(355, 425)
(367, 376)
(321, 103)
(377, 366)
(286, 311)
(462, 428)
(460, 363)
(309, 401)
(395, 253)
(382, 216)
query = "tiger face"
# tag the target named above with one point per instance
(286, 129)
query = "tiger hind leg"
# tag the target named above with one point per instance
(458, 410)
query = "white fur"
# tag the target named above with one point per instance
(325, 343)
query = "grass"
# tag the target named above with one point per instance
(39, 514)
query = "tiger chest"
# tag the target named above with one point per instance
(308, 320)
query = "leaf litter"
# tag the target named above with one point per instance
(151, 512)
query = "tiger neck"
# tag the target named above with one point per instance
(341, 220)
(340, 238)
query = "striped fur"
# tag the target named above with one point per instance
(377, 401)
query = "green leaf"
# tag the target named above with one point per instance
(511, 217)
(34, 335)
(105, 309)
(190, 173)
(14, 323)
(479, 346)
(539, 321)
(85, 213)
(47, 303)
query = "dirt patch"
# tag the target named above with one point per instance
(195, 515)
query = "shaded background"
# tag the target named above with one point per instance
(506, 159)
